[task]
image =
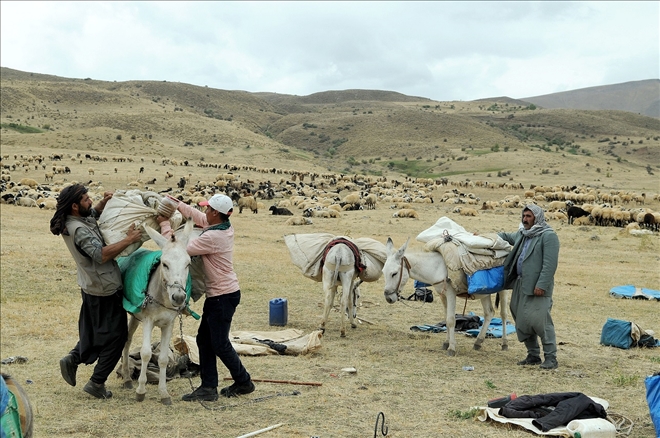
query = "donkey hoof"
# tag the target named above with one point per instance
(477, 346)
(353, 325)
(445, 345)
(128, 385)
(139, 397)
(343, 334)
(451, 353)
(167, 401)
(505, 347)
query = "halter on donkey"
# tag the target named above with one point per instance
(165, 299)
(430, 267)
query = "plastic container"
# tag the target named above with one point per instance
(279, 312)
(502, 401)
(592, 428)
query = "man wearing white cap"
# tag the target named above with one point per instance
(216, 246)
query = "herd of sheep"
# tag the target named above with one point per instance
(320, 195)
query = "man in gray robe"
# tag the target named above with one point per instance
(530, 269)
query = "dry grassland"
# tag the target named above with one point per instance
(421, 391)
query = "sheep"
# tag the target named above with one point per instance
(90, 171)
(280, 211)
(29, 182)
(406, 212)
(575, 212)
(48, 204)
(321, 212)
(298, 220)
(583, 220)
(464, 211)
(370, 201)
(48, 176)
(247, 202)
(24, 201)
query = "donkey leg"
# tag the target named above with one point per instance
(132, 326)
(451, 321)
(487, 305)
(163, 359)
(145, 356)
(329, 292)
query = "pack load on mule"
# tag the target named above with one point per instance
(475, 262)
(337, 261)
(137, 207)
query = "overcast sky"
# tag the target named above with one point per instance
(441, 50)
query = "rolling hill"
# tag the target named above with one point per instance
(352, 131)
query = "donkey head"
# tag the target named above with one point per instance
(174, 262)
(395, 271)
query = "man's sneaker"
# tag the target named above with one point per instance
(238, 389)
(97, 390)
(530, 360)
(68, 369)
(550, 363)
(202, 394)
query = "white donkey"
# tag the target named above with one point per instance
(165, 299)
(430, 267)
(339, 269)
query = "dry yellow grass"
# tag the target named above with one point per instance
(407, 376)
(421, 391)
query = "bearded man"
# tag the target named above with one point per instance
(530, 271)
(102, 324)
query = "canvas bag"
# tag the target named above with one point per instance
(617, 333)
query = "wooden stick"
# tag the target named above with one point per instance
(257, 432)
(364, 320)
(291, 382)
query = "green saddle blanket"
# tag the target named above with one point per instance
(136, 270)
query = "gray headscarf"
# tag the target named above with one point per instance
(540, 226)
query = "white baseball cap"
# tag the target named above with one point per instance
(221, 203)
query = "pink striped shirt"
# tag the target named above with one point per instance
(216, 247)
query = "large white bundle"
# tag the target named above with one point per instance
(131, 207)
(306, 251)
(463, 250)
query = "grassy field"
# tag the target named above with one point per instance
(403, 374)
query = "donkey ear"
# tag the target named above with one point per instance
(389, 246)
(155, 236)
(402, 250)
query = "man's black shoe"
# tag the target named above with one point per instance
(68, 369)
(97, 390)
(236, 389)
(530, 360)
(550, 363)
(202, 394)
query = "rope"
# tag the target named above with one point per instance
(623, 424)
(383, 429)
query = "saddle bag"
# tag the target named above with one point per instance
(486, 281)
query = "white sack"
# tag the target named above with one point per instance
(126, 208)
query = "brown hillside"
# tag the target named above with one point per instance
(641, 97)
(352, 131)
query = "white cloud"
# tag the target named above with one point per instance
(440, 50)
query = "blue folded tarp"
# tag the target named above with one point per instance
(639, 293)
(494, 329)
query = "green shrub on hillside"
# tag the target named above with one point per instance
(21, 128)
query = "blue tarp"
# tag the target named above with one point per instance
(630, 291)
(494, 329)
(486, 281)
(652, 384)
